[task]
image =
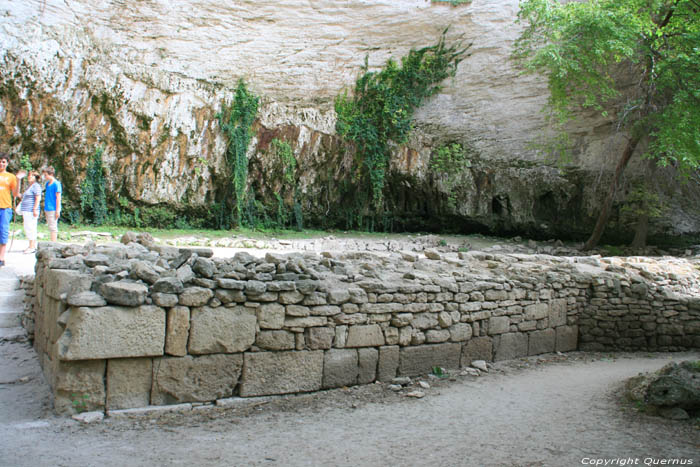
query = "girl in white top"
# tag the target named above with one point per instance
(31, 199)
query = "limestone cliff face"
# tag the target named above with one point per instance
(147, 78)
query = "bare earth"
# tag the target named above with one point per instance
(552, 410)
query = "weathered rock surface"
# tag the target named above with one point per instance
(281, 372)
(195, 379)
(112, 332)
(221, 330)
(150, 81)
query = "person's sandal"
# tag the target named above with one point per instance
(29, 251)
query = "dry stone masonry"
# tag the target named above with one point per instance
(136, 324)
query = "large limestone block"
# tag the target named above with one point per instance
(221, 330)
(478, 348)
(77, 386)
(266, 373)
(129, 382)
(540, 342)
(567, 338)
(112, 332)
(509, 346)
(557, 312)
(365, 336)
(340, 368)
(178, 331)
(421, 359)
(195, 379)
(60, 281)
(388, 362)
(367, 361)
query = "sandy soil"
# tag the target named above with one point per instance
(553, 410)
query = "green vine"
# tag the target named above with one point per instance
(93, 199)
(286, 156)
(382, 105)
(236, 121)
(449, 159)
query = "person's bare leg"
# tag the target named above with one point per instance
(54, 236)
(3, 247)
(32, 244)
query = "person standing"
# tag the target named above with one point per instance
(31, 198)
(52, 200)
(8, 189)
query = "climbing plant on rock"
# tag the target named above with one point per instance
(93, 198)
(236, 121)
(381, 106)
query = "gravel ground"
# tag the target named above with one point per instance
(553, 410)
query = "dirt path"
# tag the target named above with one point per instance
(552, 411)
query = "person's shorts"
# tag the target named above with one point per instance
(30, 223)
(51, 221)
(5, 218)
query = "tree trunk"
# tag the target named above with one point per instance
(607, 204)
(640, 233)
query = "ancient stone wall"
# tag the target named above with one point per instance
(125, 326)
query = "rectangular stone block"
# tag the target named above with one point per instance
(567, 338)
(477, 348)
(370, 335)
(271, 316)
(509, 346)
(536, 311)
(367, 359)
(319, 338)
(221, 330)
(77, 386)
(540, 342)
(557, 312)
(178, 331)
(388, 363)
(65, 281)
(129, 382)
(195, 379)
(275, 340)
(112, 332)
(266, 373)
(421, 359)
(340, 368)
(499, 325)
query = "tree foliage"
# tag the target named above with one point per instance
(382, 105)
(637, 59)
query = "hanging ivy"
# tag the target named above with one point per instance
(93, 198)
(381, 107)
(236, 121)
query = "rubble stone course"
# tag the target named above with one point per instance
(140, 323)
